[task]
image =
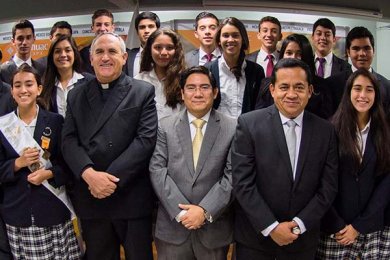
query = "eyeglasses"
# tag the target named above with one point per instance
(193, 89)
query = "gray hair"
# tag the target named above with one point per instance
(121, 41)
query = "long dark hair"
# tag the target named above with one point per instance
(236, 70)
(176, 66)
(346, 123)
(304, 45)
(51, 72)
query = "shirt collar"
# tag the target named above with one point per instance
(355, 69)
(366, 128)
(298, 120)
(33, 122)
(191, 117)
(76, 77)
(19, 62)
(328, 57)
(263, 55)
(224, 64)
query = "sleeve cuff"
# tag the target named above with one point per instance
(181, 214)
(268, 230)
(300, 224)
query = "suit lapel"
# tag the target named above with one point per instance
(94, 98)
(280, 138)
(40, 126)
(368, 153)
(209, 138)
(115, 98)
(305, 145)
(184, 135)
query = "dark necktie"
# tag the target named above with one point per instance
(270, 65)
(209, 57)
(321, 67)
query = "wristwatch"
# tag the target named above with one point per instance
(296, 230)
(208, 216)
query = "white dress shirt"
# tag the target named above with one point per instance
(327, 65)
(203, 56)
(298, 131)
(62, 93)
(163, 110)
(30, 127)
(263, 60)
(232, 91)
(19, 62)
(137, 62)
(362, 136)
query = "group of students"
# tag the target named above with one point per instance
(38, 216)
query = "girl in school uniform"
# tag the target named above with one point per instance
(353, 226)
(35, 207)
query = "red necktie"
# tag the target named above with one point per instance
(270, 65)
(209, 57)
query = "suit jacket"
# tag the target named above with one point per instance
(117, 136)
(355, 202)
(254, 74)
(263, 178)
(209, 186)
(43, 62)
(8, 68)
(129, 67)
(6, 100)
(339, 65)
(320, 102)
(21, 199)
(87, 67)
(192, 58)
(252, 56)
(337, 83)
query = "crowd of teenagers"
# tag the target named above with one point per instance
(283, 152)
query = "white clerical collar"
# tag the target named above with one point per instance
(105, 85)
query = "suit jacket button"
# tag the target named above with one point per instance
(110, 144)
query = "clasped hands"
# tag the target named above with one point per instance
(100, 184)
(194, 217)
(347, 235)
(282, 234)
(29, 157)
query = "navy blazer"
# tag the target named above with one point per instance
(263, 181)
(21, 199)
(129, 67)
(339, 65)
(355, 203)
(6, 100)
(8, 68)
(254, 74)
(53, 107)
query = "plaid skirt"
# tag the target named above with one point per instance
(366, 247)
(57, 242)
(384, 252)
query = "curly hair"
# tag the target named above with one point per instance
(176, 66)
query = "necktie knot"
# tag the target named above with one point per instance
(291, 123)
(321, 60)
(198, 123)
(270, 57)
(209, 56)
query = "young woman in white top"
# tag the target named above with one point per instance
(161, 63)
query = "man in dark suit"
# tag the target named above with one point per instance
(323, 38)
(270, 33)
(23, 37)
(108, 138)
(360, 47)
(284, 162)
(194, 184)
(58, 29)
(206, 26)
(145, 24)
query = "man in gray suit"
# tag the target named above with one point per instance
(191, 175)
(23, 37)
(206, 26)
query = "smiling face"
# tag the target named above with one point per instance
(362, 95)
(198, 94)
(230, 41)
(269, 34)
(63, 55)
(205, 32)
(163, 50)
(293, 51)
(23, 41)
(323, 40)
(361, 53)
(103, 24)
(107, 58)
(25, 89)
(291, 91)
